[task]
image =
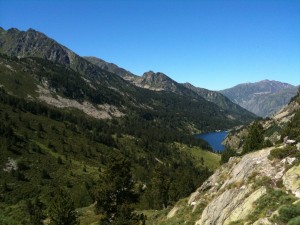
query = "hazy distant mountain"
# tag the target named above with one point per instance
(262, 98)
(217, 98)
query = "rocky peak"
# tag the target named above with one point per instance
(157, 82)
(32, 43)
(150, 76)
(13, 30)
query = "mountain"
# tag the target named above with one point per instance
(44, 148)
(63, 121)
(272, 127)
(158, 82)
(259, 187)
(217, 98)
(262, 98)
(111, 67)
(32, 43)
(60, 126)
(161, 82)
(88, 84)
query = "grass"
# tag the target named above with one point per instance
(184, 215)
(87, 215)
(19, 82)
(270, 202)
(211, 160)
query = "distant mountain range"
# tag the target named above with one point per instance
(263, 98)
(161, 82)
(115, 89)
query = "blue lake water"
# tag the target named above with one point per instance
(215, 139)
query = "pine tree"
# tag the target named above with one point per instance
(62, 210)
(115, 195)
(226, 154)
(35, 211)
(255, 138)
(159, 187)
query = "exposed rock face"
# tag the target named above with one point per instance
(230, 194)
(232, 191)
(231, 205)
(104, 111)
(291, 180)
(157, 82)
(33, 43)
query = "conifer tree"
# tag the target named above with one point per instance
(35, 211)
(255, 138)
(62, 210)
(158, 191)
(115, 195)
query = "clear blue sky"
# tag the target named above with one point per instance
(211, 44)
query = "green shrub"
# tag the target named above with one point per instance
(226, 154)
(288, 212)
(269, 202)
(281, 153)
(294, 221)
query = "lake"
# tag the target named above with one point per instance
(215, 139)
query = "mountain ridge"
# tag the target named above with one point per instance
(25, 44)
(161, 82)
(105, 87)
(263, 98)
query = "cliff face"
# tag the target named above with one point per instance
(237, 191)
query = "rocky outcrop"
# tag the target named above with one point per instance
(104, 111)
(233, 204)
(291, 180)
(231, 193)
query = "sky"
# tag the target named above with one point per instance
(214, 44)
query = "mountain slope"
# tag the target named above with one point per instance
(161, 82)
(111, 67)
(254, 189)
(43, 148)
(219, 99)
(32, 43)
(272, 127)
(61, 87)
(262, 98)
(261, 187)
(85, 81)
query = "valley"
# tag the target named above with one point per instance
(107, 146)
